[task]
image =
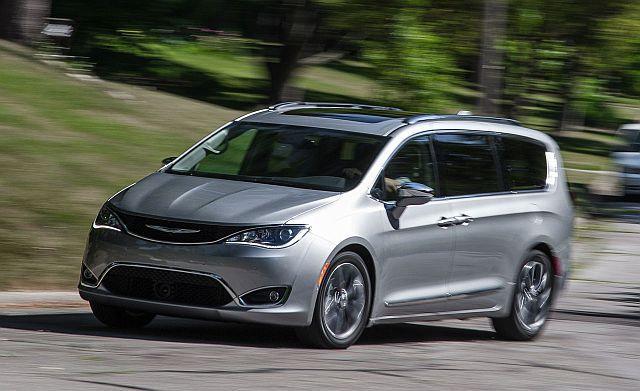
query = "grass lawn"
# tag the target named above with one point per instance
(66, 145)
(224, 71)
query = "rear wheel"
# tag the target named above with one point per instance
(342, 307)
(119, 317)
(531, 301)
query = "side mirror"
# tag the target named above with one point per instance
(168, 160)
(411, 193)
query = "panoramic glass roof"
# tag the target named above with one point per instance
(348, 114)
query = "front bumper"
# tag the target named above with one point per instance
(241, 268)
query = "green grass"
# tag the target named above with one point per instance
(224, 71)
(65, 147)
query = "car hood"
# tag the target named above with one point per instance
(218, 200)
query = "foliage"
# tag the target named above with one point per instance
(563, 59)
(618, 49)
(413, 64)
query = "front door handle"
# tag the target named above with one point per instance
(446, 222)
(463, 219)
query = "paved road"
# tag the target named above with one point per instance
(50, 341)
(67, 349)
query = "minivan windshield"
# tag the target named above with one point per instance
(296, 156)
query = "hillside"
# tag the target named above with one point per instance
(65, 146)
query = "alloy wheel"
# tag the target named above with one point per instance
(344, 301)
(533, 299)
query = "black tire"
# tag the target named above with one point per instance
(119, 317)
(317, 334)
(512, 328)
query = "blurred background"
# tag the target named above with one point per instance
(93, 94)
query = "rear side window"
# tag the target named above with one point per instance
(524, 163)
(466, 164)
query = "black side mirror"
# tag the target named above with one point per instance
(411, 193)
(168, 160)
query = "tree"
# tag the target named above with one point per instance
(8, 18)
(413, 63)
(288, 29)
(491, 63)
(22, 20)
(294, 31)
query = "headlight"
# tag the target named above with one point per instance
(107, 219)
(270, 236)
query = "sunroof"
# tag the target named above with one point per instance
(355, 115)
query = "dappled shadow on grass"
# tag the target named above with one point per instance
(348, 67)
(231, 92)
(317, 96)
(207, 332)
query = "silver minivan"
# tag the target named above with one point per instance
(334, 217)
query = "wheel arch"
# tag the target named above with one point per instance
(368, 261)
(547, 249)
(363, 248)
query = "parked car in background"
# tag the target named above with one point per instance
(627, 158)
(334, 217)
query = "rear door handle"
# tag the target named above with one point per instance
(463, 219)
(446, 222)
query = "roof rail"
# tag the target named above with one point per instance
(428, 117)
(285, 106)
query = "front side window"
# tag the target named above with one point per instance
(524, 163)
(466, 164)
(286, 155)
(412, 163)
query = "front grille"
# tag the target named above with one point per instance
(168, 286)
(159, 229)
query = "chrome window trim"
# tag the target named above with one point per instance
(480, 195)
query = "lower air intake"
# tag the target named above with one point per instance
(167, 286)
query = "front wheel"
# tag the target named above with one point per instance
(531, 301)
(342, 306)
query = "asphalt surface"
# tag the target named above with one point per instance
(68, 350)
(50, 341)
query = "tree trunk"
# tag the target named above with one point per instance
(32, 16)
(491, 57)
(289, 26)
(8, 19)
(280, 70)
(23, 20)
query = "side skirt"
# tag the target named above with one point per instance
(436, 316)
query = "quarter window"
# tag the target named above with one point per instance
(524, 163)
(466, 164)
